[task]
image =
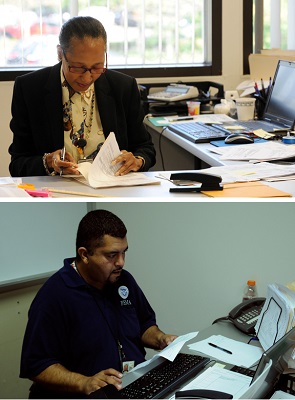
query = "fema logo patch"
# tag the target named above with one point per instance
(123, 292)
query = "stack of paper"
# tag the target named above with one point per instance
(101, 173)
(277, 316)
(252, 172)
(257, 152)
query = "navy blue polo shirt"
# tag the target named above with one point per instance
(77, 326)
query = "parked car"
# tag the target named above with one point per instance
(35, 50)
(14, 23)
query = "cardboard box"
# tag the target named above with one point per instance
(263, 66)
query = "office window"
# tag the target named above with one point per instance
(271, 28)
(142, 34)
(275, 15)
(268, 24)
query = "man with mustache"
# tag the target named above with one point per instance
(90, 321)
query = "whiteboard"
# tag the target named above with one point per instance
(36, 237)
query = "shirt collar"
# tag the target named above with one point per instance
(70, 276)
(69, 92)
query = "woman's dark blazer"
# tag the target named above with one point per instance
(37, 118)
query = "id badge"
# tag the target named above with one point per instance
(127, 366)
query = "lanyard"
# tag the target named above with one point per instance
(115, 336)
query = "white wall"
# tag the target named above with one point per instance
(194, 259)
(232, 58)
(29, 232)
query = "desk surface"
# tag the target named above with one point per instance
(145, 191)
(221, 328)
(152, 192)
(157, 192)
(200, 150)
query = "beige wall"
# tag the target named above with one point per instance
(6, 135)
(13, 316)
(232, 72)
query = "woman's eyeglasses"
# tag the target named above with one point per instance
(82, 70)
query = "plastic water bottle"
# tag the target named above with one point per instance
(250, 291)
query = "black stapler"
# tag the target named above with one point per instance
(208, 181)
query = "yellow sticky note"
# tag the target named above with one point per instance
(263, 134)
(28, 186)
(234, 127)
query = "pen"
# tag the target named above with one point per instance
(262, 88)
(256, 89)
(62, 157)
(220, 348)
(269, 84)
(180, 119)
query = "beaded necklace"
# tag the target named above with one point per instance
(79, 136)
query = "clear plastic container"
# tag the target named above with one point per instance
(250, 291)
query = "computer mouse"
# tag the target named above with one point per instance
(238, 138)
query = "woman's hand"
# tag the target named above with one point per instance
(68, 166)
(129, 163)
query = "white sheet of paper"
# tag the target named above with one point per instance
(223, 380)
(7, 181)
(255, 152)
(204, 118)
(10, 191)
(242, 354)
(171, 351)
(251, 172)
(277, 315)
(101, 173)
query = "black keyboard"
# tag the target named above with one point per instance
(243, 370)
(197, 132)
(165, 378)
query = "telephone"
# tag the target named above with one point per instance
(245, 315)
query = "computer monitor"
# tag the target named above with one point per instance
(280, 106)
(278, 356)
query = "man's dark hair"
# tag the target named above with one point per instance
(94, 226)
(81, 27)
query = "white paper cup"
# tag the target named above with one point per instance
(193, 107)
(245, 108)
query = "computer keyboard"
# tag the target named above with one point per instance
(165, 378)
(243, 370)
(197, 132)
